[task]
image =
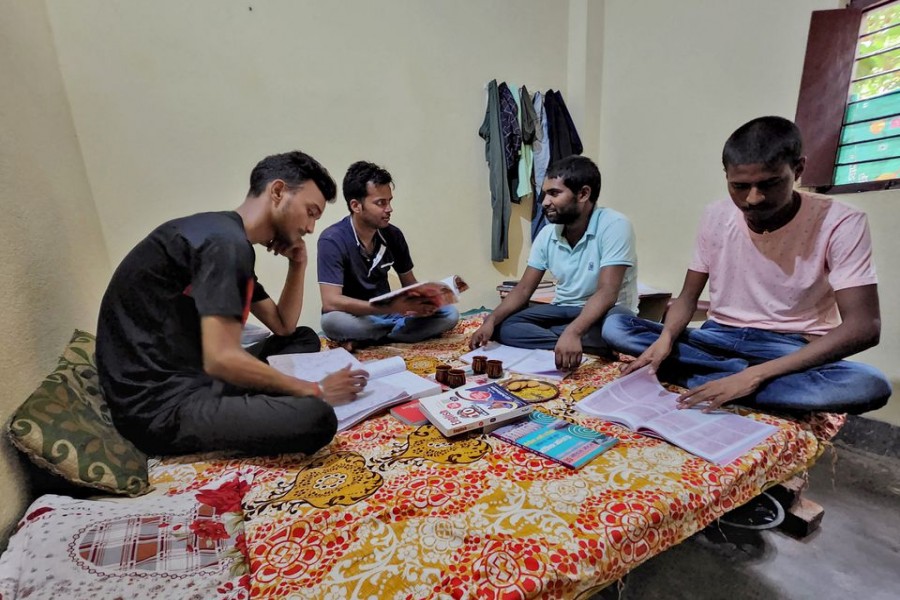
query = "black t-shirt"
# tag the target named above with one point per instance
(148, 334)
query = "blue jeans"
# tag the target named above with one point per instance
(715, 351)
(541, 325)
(343, 327)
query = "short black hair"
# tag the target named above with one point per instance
(769, 141)
(294, 168)
(577, 172)
(359, 174)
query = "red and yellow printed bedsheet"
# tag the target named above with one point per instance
(393, 511)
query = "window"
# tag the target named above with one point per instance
(849, 104)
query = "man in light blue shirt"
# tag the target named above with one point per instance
(590, 250)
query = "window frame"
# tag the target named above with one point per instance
(824, 91)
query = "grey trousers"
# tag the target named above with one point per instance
(213, 415)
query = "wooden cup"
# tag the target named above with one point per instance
(442, 374)
(494, 368)
(479, 364)
(456, 378)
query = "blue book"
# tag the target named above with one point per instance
(557, 439)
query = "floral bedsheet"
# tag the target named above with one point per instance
(393, 511)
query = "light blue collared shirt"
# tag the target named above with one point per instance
(609, 240)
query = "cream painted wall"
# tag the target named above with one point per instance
(54, 263)
(674, 87)
(174, 102)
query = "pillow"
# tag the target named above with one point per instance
(65, 427)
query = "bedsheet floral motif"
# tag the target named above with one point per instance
(393, 511)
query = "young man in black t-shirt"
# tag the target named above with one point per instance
(169, 349)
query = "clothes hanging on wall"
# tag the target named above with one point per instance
(522, 136)
(528, 120)
(512, 137)
(564, 141)
(494, 150)
(541, 149)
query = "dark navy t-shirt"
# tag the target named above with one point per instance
(149, 349)
(342, 261)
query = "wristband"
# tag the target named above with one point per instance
(318, 393)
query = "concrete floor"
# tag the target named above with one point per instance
(855, 553)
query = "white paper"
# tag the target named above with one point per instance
(540, 363)
(314, 366)
(375, 397)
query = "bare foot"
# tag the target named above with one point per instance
(348, 345)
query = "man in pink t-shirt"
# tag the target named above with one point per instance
(792, 293)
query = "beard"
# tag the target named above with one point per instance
(561, 217)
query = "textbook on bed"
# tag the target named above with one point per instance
(639, 402)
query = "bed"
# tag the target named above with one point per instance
(393, 511)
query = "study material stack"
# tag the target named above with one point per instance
(389, 382)
(639, 402)
(440, 293)
(559, 440)
(472, 407)
(543, 294)
(538, 363)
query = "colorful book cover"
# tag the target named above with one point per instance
(472, 407)
(559, 440)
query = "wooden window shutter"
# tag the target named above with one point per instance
(827, 68)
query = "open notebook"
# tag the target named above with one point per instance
(539, 363)
(639, 402)
(389, 382)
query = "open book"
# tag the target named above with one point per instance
(389, 382)
(538, 363)
(472, 407)
(639, 402)
(440, 293)
(559, 440)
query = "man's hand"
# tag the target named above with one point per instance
(713, 394)
(481, 336)
(568, 351)
(343, 386)
(415, 306)
(295, 253)
(653, 356)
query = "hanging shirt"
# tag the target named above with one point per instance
(529, 122)
(541, 149)
(492, 134)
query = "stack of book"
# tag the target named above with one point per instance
(545, 289)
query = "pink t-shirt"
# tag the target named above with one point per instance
(784, 280)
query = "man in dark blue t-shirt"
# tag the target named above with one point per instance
(355, 255)
(169, 350)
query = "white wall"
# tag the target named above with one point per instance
(54, 265)
(678, 78)
(174, 102)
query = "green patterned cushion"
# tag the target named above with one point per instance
(65, 427)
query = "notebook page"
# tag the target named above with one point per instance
(314, 366)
